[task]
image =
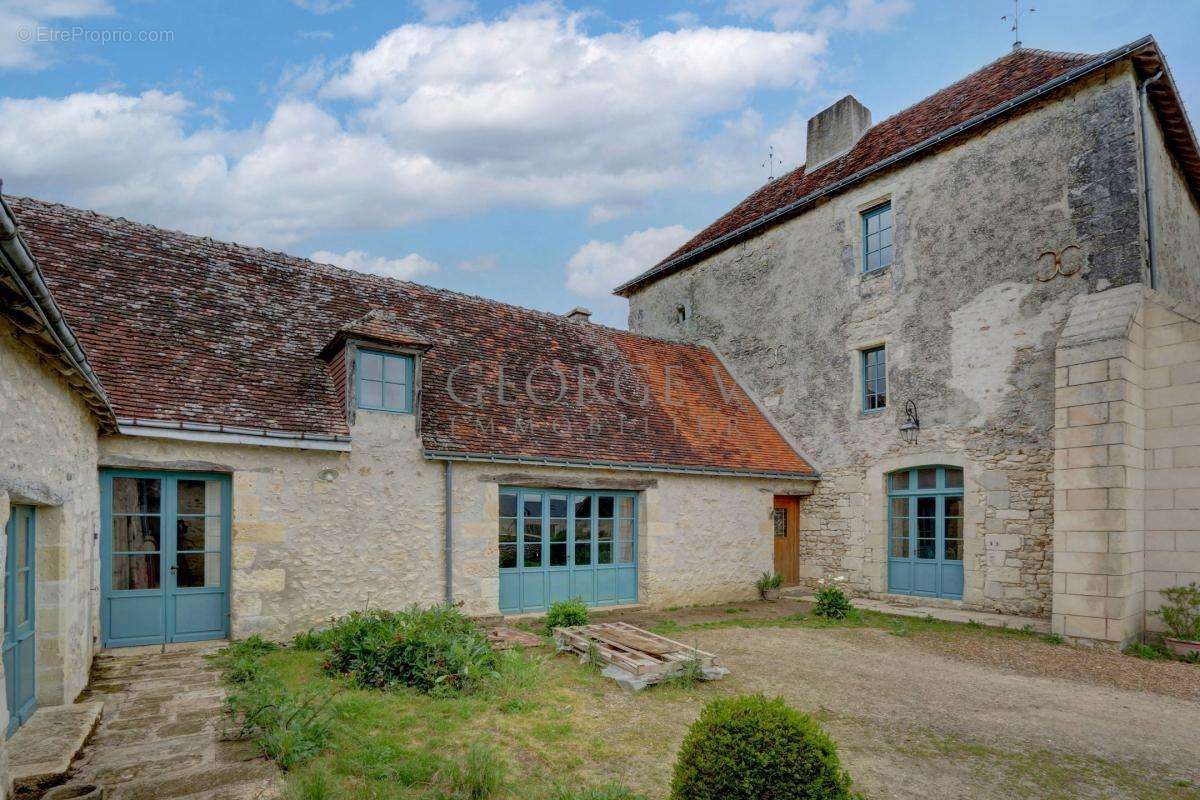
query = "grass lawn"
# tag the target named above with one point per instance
(552, 728)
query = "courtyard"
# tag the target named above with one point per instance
(918, 708)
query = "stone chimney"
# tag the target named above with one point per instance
(835, 130)
(579, 314)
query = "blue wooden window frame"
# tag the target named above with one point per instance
(394, 380)
(874, 378)
(878, 245)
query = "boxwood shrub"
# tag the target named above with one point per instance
(748, 748)
(567, 614)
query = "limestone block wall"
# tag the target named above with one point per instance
(1172, 398)
(48, 453)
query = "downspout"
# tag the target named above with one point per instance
(1143, 105)
(449, 531)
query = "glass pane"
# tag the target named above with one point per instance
(22, 600)
(583, 507)
(954, 478)
(885, 256)
(604, 553)
(395, 369)
(873, 260)
(197, 533)
(872, 223)
(926, 506)
(508, 556)
(197, 570)
(533, 543)
(926, 527)
(780, 518)
(558, 555)
(533, 506)
(533, 530)
(898, 482)
(508, 504)
(954, 549)
(954, 507)
(583, 530)
(626, 506)
(604, 530)
(372, 394)
(395, 397)
(533, 555)
(508, 530)
(370, 366)
(583, 555)
(136, 495)
(873, 242)
(625, 529)
(199, 497)
(926, 548)
(900, 527)
(954, 528)
(885, 237)
(135, 572)
(899, 548)
(885, 218)
(607, 503)
(927, 478)
(558, 505)
(135, 533)
(900, 507)
(625, 552)
(558, 530)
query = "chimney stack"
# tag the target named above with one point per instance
(836, 130)
(579, 314)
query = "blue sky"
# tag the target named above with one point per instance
(538, 153)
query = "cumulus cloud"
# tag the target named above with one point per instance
(484, 263)
(406, 268)
(597, 267)
(21, 19)
(436, 11)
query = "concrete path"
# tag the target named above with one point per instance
(159, 735)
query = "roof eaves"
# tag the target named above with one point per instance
(683, 260)
(634, 466)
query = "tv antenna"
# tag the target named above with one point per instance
(1016, 22)
(771, 162)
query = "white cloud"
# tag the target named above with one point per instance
(323, 6)
(20, 21)
(406, 268)
(436, 11)
(314, 35)
(598, 267)
(484, 263)
(859, 15)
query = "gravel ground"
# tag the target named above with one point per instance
(945, 715)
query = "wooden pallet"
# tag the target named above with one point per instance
(645, 656)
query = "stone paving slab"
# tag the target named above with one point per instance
(41, 751)
(904, 608)
(160, 734)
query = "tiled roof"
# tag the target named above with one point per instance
(377, 325)
(186, 329)
(989, 89)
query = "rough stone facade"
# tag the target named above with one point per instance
(969, 312)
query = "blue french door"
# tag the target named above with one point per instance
(559, 544)
(925, 532)
(20, 639)
(165, 557)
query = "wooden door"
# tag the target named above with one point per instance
(20, 642)
(786, 526)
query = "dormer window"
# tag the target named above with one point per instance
(385, 381)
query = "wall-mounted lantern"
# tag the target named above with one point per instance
(910, 429)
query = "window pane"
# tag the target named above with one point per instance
(583, 507)
(885, 217)
(136, 495)
(605, 509)
(626, 504)
(954, 478)
(135, 572)
(872, 223)
(558, 555)
(900, 527)
(22, 542)
(533, 555)
(558, 505)
(508, 556)
(885, 256)
(604, 553)
(371, 394)
(953, 550)
(198, 533)
(533, 530)
(898, 482)
(954, 528)
(899, 508)
(198, 570)
(604, 530)
(954, 506)
(508, 530)
(873, 260)
(780, 519)
(370, 366)
(533, 543)
(899, 548)
(508, 504)
(395, 397)
(625, 529)
(625, 552)
(558, 530)
(925, 527)
(583, 555)
(533, 506)
(885, 237)
(872, 242)
(927, 478)
(134, 533)
(926, 548)
(395, 369)
(199, 497)
(583, 530)
(22, 599)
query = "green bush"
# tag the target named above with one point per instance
(289, 727)
(436, 650)
(768, 580)
(313, 640)
(832, 602)
(567, 614)
(1181, 611)
(748, 748)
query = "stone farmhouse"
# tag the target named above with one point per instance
(954, 357)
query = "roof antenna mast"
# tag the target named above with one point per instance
(1016, 22)
(771, 162)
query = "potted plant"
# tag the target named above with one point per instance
(768, 585)
(1181, 614)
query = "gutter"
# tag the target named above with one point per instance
(769, 219)
(632, 466)
(1143, 105)
(231, 434)
(22, 266)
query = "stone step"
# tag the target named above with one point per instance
(41, 751)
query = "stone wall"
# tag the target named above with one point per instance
(1176, 221)
(48, 457)
(969, 328)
